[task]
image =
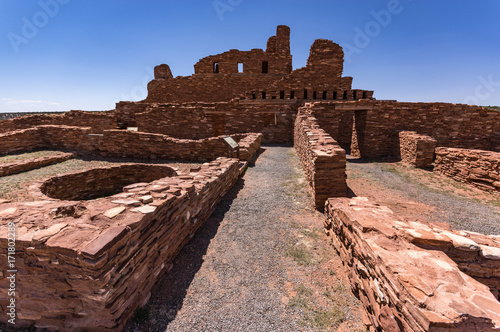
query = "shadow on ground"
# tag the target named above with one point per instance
(167, 296)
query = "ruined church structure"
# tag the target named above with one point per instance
(89, 246)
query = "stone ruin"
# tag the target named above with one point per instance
(87, 262)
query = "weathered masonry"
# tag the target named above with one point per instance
(86, 262)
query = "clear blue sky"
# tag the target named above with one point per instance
(89, 54)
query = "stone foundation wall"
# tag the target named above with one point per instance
(323, 160)
(88, 265)
(21, 140)
(102, 181)
(416, 150)
(117, 143)
(97, 121)
(477, 167)
(24, 166)
(404, 286)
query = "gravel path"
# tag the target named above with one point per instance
(236, 275)
(241, 282)
(461, 213)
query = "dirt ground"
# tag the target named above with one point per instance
(418, 194)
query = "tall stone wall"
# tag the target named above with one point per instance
(477, 167)
(321, 78)
(117, 143)
(218, 78)
(403, 278)
(323, 160)
(88, 265)
(274, 119)
(97, 121)
(378, 124)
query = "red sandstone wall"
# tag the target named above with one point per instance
(415, 149)
(404, 286)
(24, 166)
(21, 140)
(274, 119)
(210, 86)
(477, 167)
(322, 159)
(117, 143)
(89, 265)
(97, 121)
(452, 125)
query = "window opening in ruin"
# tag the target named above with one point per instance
(345, 95)
(253, 95)
(240, 67)
(282, 94)
(365, 95)
(324, 94)
(305, 93)
(314, 94)
(265, 67)
(263, 95)
(216, 67)
(292, 94)
(335, 95)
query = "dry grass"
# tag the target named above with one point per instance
(28, 156)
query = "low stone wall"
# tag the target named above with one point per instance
(248, 144)
(403, 276)
(7, 116)
(21, 140)
(323, 160)
(97, 121)
(121, 143)
(102, 181)
(28, 165)
(88, 265)
(477, 167)
(416, 150)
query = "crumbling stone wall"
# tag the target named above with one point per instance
(115, 143)
(323, 160)
(321, 78)
(416, 150)
(451, 125)
(217, 78)
(102, 181)
(274, 119)
(477, 167)
(404, 286)
(97, 121)
(21, 140)
(20, 166)
(90, 264)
